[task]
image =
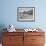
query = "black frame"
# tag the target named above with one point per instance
(18, 9)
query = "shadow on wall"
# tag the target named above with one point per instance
(2, 26)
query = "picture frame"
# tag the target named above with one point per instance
(26, 14)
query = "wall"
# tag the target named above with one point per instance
(9, 13)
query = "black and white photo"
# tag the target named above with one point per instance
(26, 14)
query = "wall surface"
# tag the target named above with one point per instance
(8, 13)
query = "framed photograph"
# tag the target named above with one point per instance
(26, 14)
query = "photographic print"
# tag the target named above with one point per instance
(26, 14)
